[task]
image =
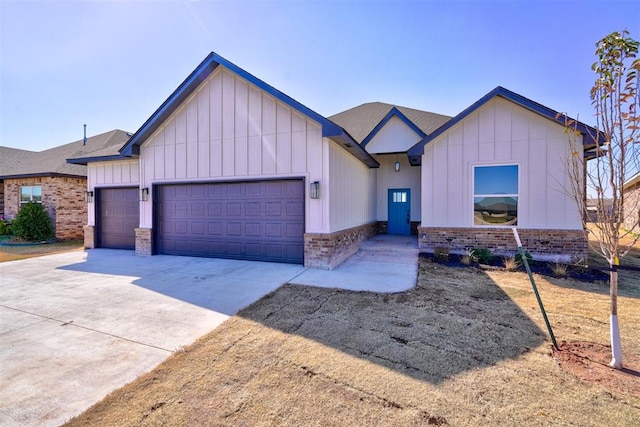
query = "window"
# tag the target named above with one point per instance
(399, 197)
(495, 195)
(30, 193)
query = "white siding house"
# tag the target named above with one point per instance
(228, 166)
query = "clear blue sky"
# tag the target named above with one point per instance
(110, 64)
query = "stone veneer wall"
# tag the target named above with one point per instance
(554, 245)
(329, 250)
(631, 208)
(144, 241)
(89, 237)
(62, 197)
(1, 198)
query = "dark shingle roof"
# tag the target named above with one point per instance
(15, 162)
(361, 120)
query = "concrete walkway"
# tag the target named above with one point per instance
(383, 264)
(75, 326)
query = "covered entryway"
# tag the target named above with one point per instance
(257, 220)
(118, 213)
(399, 211)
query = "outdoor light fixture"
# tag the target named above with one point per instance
(397, 166)
(315, 190)
(144, 194)
(88, 197)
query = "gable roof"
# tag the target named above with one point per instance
(204, 70)
(53, 162)
(365, 121)
(591, 137)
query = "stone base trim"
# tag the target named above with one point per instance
(329, 250)
(542, 244)
(89, 236)
(144, 239)
(383, 227)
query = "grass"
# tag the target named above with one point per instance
(465, 347)
(12, 253)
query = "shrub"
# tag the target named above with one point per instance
(510, 263)
(441, 253)
(5, 227)
(560, 269)
(32, 223)
(482, 255)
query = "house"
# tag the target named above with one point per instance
(631, 206)
(230, 167)
(46, 177)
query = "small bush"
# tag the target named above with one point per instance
(560, 269)
(5, 227)
(466, 259)
(527, 256)
(32, 223)
(482, 255)
(441, 253)
(510, 263)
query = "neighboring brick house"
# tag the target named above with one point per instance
(631, 206)
(47, 178)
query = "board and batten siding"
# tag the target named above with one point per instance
(500, 132)
(395, 137)
(407, 177)
(229, 129)
(352, 190)
(121, 173)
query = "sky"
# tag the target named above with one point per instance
(111, 64)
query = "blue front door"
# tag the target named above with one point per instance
(399, 201)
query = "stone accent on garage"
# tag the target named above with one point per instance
(144, 240)
(329, 250)
(553, 245)
(62, 197)
(89, 237)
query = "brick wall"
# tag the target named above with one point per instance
(144, 241)
(631, 207)
(89, 237)
(556, 245)
(328, 250)
(63, 199)
(1, 198)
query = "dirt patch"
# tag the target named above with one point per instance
(12, 253)
(589, 361)
(465, 347)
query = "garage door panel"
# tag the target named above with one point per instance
(117, 217)
(251, 220)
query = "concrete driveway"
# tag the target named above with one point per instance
(77, 325)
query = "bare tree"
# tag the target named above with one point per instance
(601, 172)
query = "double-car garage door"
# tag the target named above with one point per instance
(258, 220)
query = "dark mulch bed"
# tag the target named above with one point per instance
(583, 274)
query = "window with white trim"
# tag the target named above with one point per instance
(30, 193)
(495, 195)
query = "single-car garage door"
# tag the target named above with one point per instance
(118, 217)
(259, 220)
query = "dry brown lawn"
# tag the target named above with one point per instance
(12, 253)
(465, 348)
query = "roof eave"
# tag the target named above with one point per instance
(43, 174)
(393, 112)
(96, 159)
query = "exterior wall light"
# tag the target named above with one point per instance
(315, 190)
(88, 197)
(397, 166)
(144, 194)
